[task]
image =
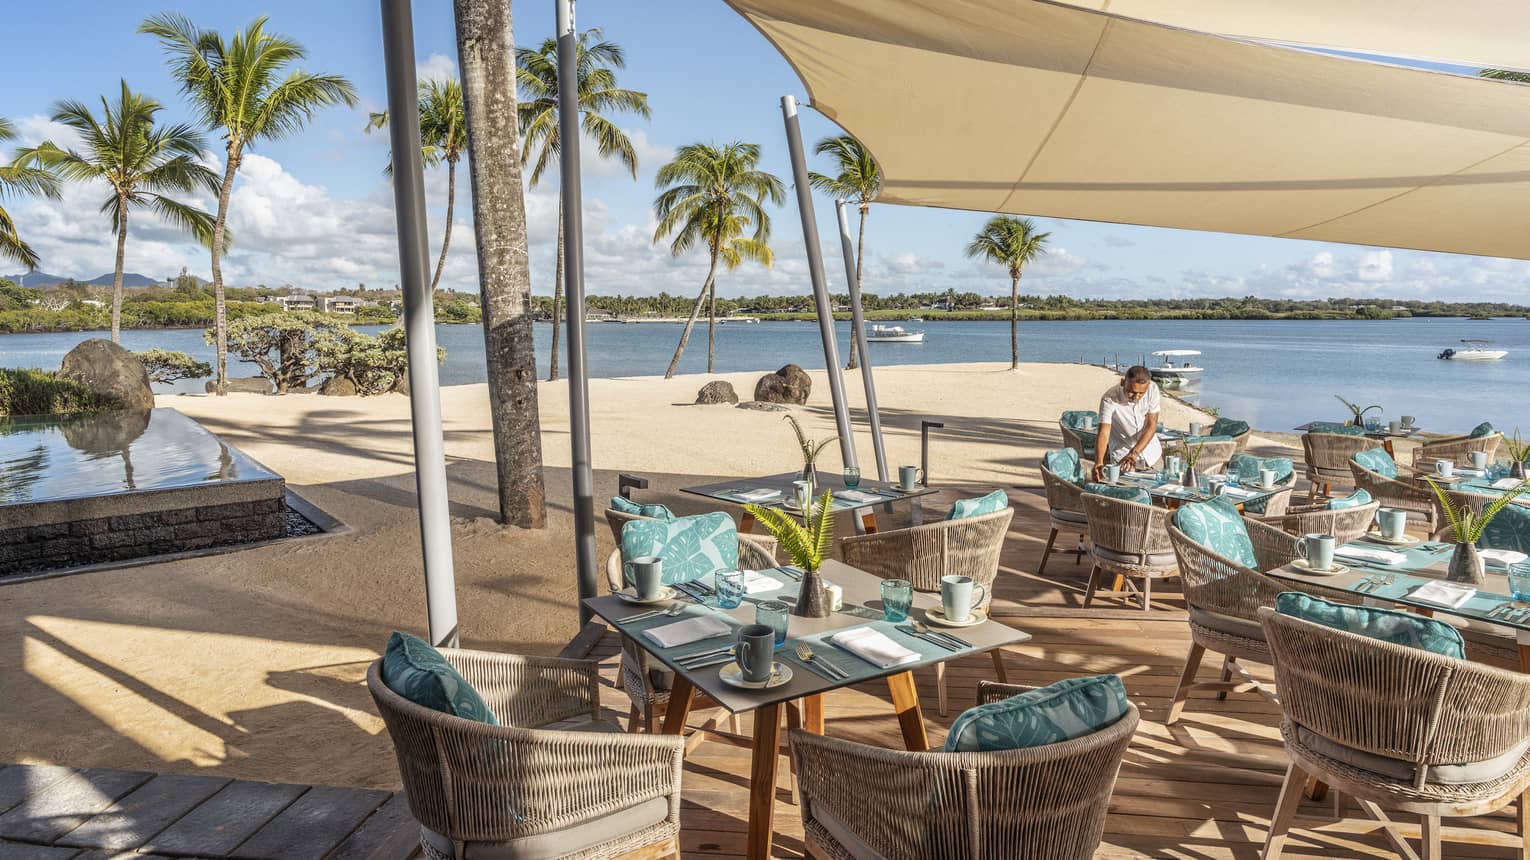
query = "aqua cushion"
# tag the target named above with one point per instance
(1201, 440)
(1388, 625)
(627, 506)
(418, 672)
(1129, 494)
(1063, 463)
(1354, 500)
(992, 503)
(1072, 419)
(1483, 429)
(1335, 427)
(1378, 461)
(1062, 711)
(1228, 427)
(1217, 526)
(1508, 529)
(1245, 467)
(692, 547)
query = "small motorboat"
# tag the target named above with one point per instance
(892, 334)
(1175, 375)
(1476, 349)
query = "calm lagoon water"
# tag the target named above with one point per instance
(1274, 374)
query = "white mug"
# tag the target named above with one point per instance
(1479, 459)
(1112, 473)
(1407, 420)
(1444, 468)
(1196, 428)
(1266, 478)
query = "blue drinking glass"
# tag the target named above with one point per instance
(730, 588)
(897, 599)
(1519, 580)
(852, 477)
(773, 614)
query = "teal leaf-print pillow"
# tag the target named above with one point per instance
(1129, 494)
(1388, 625)
(1064, 463)
(992, 503)
(1353, 500)
(1509, 529)
(1201, 440)
(1217, 526)
(1245, 467)
(1378, 461)
(1483, 429)
(418, 672)
(1228, 427)
(1074, 418)
(691, 547)
(1335, 427)
(1065, 710)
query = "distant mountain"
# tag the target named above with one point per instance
(43, 279)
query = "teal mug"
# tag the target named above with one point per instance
(957, 597)
(909, 477)
(1392, 522)
(646, 573)
(1318, 550)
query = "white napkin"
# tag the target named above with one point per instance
(857, 496)
(1150, 476)
(1505, 483)
(758, 495)
(874, 647)
(1239, 492)
(756, 582)
(1379, 556)
(1502, 557)
(1471, 473)
(1444, 593)
(687, 631)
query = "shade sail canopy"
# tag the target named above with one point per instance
(1046, 109)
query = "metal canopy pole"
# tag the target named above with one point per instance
(573, 274)
(419, 320)
(858, 338)
(821, 301)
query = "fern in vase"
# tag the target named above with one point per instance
(1467, 526)
(807, 543)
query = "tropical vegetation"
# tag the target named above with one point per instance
(293, 348)
(40, 392)
(18, 178)
(1012, 243)
(1466, 524)
(858, 181)
(166, 366)
(808, 541)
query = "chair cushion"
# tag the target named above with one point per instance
(1064, 515)
(692, 547)
(1335, 427)
(1130, 494)
(625, 505)
(1073, 418)
(1217, 526)
(415, 670)
(1201, 440)
(1067, 709)
(1446, 774)
(562, 842)
(992, 503)
(1228, 427)
(1508, 529)
(1229, 624)
(1245, 467)
(1353, 500)
(1063, 463)
(1483, 429)
(1388, 625)
(1378, 461)
(1152, 559)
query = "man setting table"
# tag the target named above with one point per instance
(1128, 428)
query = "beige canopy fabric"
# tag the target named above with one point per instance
(1046, 109)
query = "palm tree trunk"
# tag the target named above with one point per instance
(685, 333)
(485, 54)
(446, 239)
(122, 219)
(860, 254)
(552, 362)
(220, 308)
(1014, 322)
(711, 323)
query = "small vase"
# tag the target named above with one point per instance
(813, 600)
(1191, 480)
(1517, 470)
(1466, 565)
(810, 474)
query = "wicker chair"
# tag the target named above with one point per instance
(616, 519)
(1345, 524)
(1223, 598)
(1128, 541)
(1213, 456)
(1044, 802)
(518, 787)
(1384, 723)
(1457, 449)
(1397, 493)
(1065, 507)
(1082, 441)
(969, 546)
(1328, 456)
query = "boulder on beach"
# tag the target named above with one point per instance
(717, 391)
(790, 384)
(107, 368)
(242, 385)
(338, 386)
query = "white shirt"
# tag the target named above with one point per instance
(1126, 420)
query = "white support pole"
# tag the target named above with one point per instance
(858, 339)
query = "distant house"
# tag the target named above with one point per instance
(597, 315)
(95, 303)
(341, 304)
(296, 303)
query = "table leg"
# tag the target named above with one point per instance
(762, 780)
(681, 694)
(867, 521)
(1524, 657)
(746, 522)
(910, 719)
(1316, 789)
(812, 713)
(1387, 444)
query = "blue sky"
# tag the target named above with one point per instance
(315, 210)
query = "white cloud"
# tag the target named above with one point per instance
(436, 67)
(1375, 266)
(1117, 241)
(36, 128)
(1321, 264)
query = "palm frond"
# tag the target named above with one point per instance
(1480, 522)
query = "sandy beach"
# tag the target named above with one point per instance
(250, 664)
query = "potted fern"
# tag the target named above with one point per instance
(810, 451)
(1191, 454)
(1519, 452)
(1467, 526)
(1357, 411)
(807, 543)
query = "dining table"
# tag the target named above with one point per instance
(776, 491)
(795, 679)
(1384, 432)
(1170, 493)
(1467, 480)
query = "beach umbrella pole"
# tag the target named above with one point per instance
(419, 321)
(858, 339)
(573, 274)
(821, 301)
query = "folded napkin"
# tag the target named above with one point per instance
(758, 495)
(1147, 476)
(857, 496)
(1505, 483)
(1239, 492)
(756, 582)
(874, 647)
(1471, 473)
(687, 631)
(1502, 557)
(1380, 556)
(1444, 593)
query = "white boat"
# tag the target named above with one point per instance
(892, 334)
(1476, 349)
(1171, 374)
(738, 320)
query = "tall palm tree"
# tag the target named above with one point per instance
(859, 181)
(17, 178)
(712, 195)
(1011, 242)
(243, 90)
(443, 137)
(536, 76)
(140, 161)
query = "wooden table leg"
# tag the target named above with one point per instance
(1387, 444)
(910, 719)
(746, 522)
(812, 713)
(1524, 657)
(681, 694)
(1316, 789)
(762, 780)
(868, 522)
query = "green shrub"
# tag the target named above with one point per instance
(41, 392)
(377, 365)
(165, 365)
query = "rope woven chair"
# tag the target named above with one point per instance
(1048, 802)
(1391, 726)
(1223, 598)
(1128, 540)
(1487, 643)
(616, 519)
(1065, 507)
(969, 546)
(1395, 493)
(1345, 524)
(519, 787)
(1457, 449)
(1328, 455)
(1213, 456)
(1082, 441)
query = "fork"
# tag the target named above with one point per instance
(656, 613)
(805, 653)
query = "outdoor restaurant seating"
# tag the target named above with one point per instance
(1246, 467)
(1405, 727)
(966, 546)
(1346, 523)
(1212, 452)
(616, 519)
(1076, 436)
(535, 783)
(1458, 449)
(1375, 472)
(1238, 431)
(1328, 454)
(1128, 542)
(1062, 476)
(1508, 530)
(1047, 801)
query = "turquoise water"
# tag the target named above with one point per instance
(1274, 374)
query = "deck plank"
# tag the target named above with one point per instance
(226, 819)
(312, 826)
(18, 781)
(25, 851)
(138, 817)
(46, 815)
(391, 833)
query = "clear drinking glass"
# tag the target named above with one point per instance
(1519, 580)
(773, 614)
(897, 599)
(852, 477)
(730, 588)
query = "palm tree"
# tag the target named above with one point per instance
(443, 137)
(140, 161)
(20, 177)
(713, 194)
(242, 89)
(536, 76)
(1011, 242)
(859, 181)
